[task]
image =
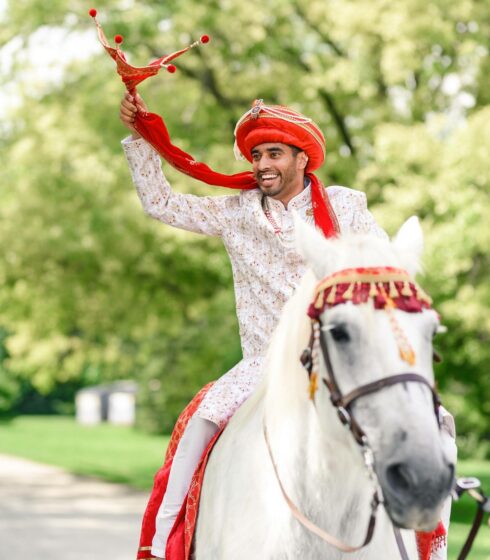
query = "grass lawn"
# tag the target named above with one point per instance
(114, 453)
(124, 455)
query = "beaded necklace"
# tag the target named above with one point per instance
(270, 217)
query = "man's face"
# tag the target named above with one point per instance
(278, 169)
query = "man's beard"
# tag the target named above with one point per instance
(276, 186)
(271, 191)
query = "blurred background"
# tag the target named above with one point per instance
(93, 292)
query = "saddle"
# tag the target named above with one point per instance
(179, 544)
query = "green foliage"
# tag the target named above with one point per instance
(463, 513)
(92, 291)
(9, 387)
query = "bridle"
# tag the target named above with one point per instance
(328, 294)
(388, 288)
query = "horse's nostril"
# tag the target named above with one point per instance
(399, 477)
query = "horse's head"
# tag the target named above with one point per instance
(374, 322)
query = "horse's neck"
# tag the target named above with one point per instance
(320, 465)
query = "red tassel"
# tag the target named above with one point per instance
(92, 12)
(429, 542)
(439, 539)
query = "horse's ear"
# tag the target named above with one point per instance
(409, 244)
(319, 253)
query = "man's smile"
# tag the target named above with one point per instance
(268, 178)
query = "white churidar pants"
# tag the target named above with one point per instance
(198, 433)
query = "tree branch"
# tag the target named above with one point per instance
(323, 36)
(338, 118)
(328, 99)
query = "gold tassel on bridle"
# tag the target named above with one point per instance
(405, 350)
(313, 385)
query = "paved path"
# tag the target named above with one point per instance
(49, 514)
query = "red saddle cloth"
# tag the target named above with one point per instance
(179, 545)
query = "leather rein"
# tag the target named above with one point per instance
(343, 404)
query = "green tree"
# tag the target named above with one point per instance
(91, 290)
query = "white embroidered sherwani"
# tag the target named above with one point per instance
(266, 267)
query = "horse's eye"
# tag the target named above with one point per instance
(340, 333)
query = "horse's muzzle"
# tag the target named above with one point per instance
(414, 491)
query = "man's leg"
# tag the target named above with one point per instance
(195, 439)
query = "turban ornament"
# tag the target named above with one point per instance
(259, 125)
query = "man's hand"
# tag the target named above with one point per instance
(129, 107)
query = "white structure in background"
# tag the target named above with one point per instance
(121, 407)
(91, 406)
(114, 403)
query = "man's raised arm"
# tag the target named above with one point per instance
(208, 215)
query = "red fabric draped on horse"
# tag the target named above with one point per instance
(180, 541)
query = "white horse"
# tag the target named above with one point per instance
(243, 514)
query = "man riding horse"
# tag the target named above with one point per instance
(256, 226)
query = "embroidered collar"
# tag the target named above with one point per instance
(299, 201)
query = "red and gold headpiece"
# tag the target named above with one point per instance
(387, 288)
(276, 123)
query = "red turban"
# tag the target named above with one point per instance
(275, 123)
